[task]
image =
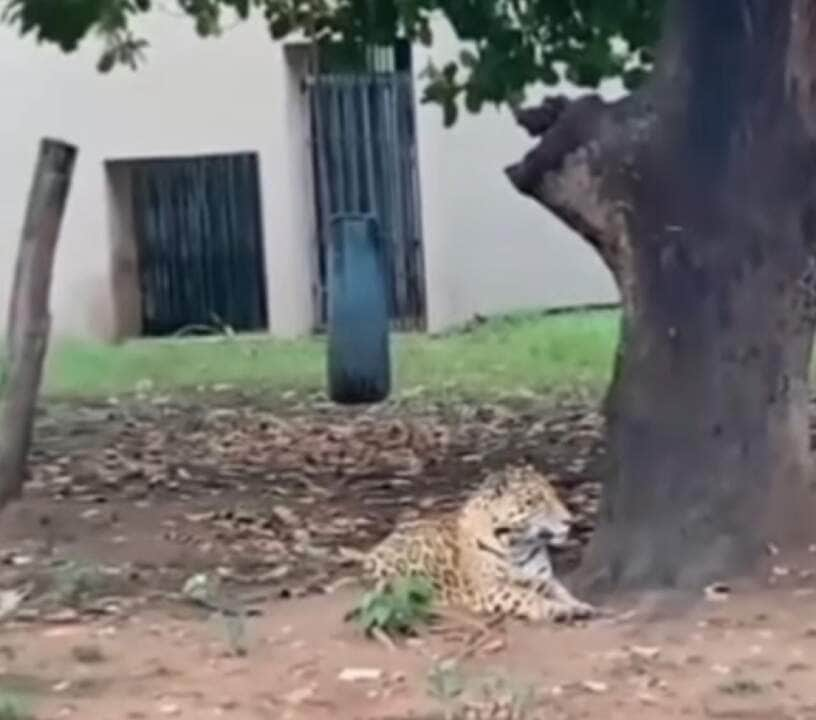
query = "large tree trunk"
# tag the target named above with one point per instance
(699, 192)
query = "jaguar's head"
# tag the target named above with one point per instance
(523, 507)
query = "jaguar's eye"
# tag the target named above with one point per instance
(501, 531)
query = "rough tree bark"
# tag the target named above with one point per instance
(699, 193)
(29, 320)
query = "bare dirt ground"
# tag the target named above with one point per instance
(128, 500)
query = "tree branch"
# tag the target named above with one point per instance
(582, 167)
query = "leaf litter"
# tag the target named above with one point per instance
(283, 496)
(260, 500)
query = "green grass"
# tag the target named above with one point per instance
(515, 355)
(14, 706)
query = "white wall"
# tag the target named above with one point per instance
(488, 249)
(228, 94)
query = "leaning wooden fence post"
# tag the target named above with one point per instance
(29, 319)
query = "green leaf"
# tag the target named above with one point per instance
(206, 25)
(468, 59)
(280, 27)
(585, 74)
(449, 114)
(634, 78)
(106, 61)
(509, 46)
(647, 56)
(396, 608)
(449, 72)
(424, 33)
(380, 615)
(242, 8)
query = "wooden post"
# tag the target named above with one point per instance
(29, 319)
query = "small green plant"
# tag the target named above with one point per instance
(397, 608)
(205, 590)
(235, 629)
(493, 695)
(76, 581)
(515, 697)
(446, 681)
(14, 706)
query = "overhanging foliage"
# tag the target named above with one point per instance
(509, 45)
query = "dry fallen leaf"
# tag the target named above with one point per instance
(10, 600)
(494, 646)
(717, 592)
(647, 698)
(298, 467)
(352, 674)
(300, 695)
(644, 652)
(594, 686)
(285, 515)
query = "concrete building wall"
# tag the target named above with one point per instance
(487, 249)
(232, 94)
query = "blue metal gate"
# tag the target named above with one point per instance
(198, 227)
(365, 161)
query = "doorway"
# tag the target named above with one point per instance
(364, 159)
(196, 223)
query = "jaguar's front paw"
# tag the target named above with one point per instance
(572, 612)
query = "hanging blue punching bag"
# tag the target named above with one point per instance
(359, 360)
